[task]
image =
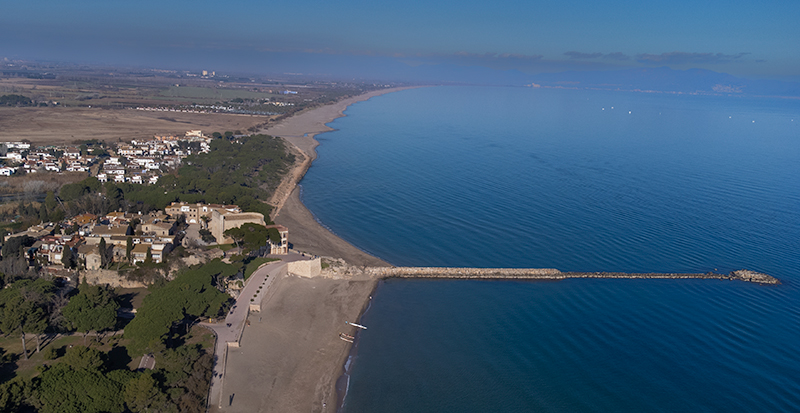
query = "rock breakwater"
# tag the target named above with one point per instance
(554, 274)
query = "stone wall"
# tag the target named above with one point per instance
(444, 272)
(110, 278)
(553, 274)
(222, 222)
(306, 268)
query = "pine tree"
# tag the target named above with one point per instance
(105, 253)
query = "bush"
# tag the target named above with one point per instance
(50, 353)
(207, 237)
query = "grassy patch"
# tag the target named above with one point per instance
(202, 336)
(19, 367)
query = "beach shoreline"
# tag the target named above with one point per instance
(291, 356)
(306, 233)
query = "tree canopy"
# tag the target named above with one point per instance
(15, 100)
(15, 245)
(23, 308)
(253, 236)
(94, 308)
(193, 293)
(78, 384)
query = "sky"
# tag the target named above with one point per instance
(743, 38)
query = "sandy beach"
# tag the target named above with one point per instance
(290, 355)
(305, 233)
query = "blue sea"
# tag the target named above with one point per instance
(579, 181)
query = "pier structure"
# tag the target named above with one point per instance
(554, 274)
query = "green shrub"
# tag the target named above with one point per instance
(50, 353)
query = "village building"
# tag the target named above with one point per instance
(35, 231)
(90, 256)
(195, 212)
(139, 253)
(281, 248)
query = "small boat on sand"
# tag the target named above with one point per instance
(346, 337)
(356, 325)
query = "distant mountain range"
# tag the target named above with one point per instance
(664, 79)
(658, 79)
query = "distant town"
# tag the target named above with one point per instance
(140, 161)
(128, 237)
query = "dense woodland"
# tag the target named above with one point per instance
(87, 378)
(84, 379)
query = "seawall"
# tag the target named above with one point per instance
(554, 274)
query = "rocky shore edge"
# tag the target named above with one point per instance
(554, 274)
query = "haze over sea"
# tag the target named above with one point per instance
(582, 181)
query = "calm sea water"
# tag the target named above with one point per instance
(575, 180)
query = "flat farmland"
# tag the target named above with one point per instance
(59, 125)
(209, 94)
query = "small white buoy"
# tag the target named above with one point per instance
(754, 121)
(629, 112)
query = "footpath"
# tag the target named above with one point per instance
(229, 332)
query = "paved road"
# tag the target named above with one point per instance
(231, 329)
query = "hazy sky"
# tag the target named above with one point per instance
(745, 38)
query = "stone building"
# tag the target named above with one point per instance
(222, 221)
(281, 248)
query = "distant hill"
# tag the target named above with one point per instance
(471, 75)
(664, 79)
(659, 79)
